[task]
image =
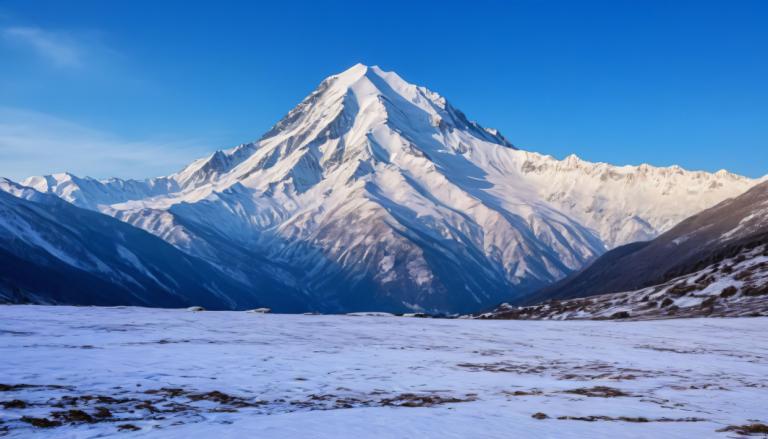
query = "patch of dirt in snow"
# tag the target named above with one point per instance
(748, 430)
(598, 392)
(571, 371)
(593, 418)
(177, 406)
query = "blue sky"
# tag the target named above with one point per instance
(136, 89)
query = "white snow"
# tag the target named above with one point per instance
(336, 376)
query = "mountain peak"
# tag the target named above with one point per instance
(359, 70)
(356, 71)
(363, 80)
(369, 90)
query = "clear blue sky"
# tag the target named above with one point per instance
(139, 88)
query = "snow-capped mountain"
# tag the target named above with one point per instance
(56, 253)
(706, 238)
(376, 193)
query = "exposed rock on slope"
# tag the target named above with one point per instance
(733, 287)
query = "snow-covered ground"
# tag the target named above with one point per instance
(181, 374)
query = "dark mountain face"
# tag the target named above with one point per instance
(54, 252)
(703, 239)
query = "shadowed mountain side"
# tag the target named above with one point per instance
(703, 239)
(54, 252)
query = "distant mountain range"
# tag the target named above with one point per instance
(696, 242)
(52, 252)
(376, 194)
(713, 263)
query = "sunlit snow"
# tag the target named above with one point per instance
(182, 374)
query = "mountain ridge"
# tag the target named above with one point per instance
(374, 192)
(700, 240)
(56, 253)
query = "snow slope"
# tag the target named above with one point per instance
(374, 193)
(179, 374)
(54, 252)
(703, 239)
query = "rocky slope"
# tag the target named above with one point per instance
(733, 287)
